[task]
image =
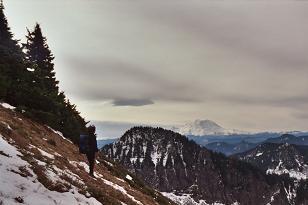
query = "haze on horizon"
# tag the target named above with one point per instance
(242, 64)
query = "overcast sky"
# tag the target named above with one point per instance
(243, 64)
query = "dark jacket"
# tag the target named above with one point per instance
(92, 144)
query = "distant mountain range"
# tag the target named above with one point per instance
(208, 134)
(231, 141)
(177, 166)
(290, 139)
(102, 143)
(242, 146)
(228, 148)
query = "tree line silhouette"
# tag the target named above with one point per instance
(28, 82)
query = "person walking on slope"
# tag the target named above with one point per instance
(92, 148)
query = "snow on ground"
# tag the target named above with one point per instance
(46, 154)
(279, 170)
(8, 106)
(186, 199)
(121, 189)
(273, 197)
(113, 185)
(59, 133)
(81, 164)
(291, 194)
(129, 177)
(28, 188)
(259, 154)
(30, 69)
(7, 125)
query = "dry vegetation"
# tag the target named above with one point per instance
(29, 137)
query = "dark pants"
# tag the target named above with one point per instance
(91, 159)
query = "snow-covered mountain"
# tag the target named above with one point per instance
(205, 127)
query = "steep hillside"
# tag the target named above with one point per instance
(38, 166)
(180, 168)
(279, 159)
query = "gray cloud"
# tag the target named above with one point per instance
(297, 102)
(134, 102)
(268, 32)
(301, 115)
(223, 60)
(126, 83)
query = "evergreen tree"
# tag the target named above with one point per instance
(45, 103)
(12, 67)
(27, 81)
(39, 54)
(5, 33)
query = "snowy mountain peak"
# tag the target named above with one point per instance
(204, 127)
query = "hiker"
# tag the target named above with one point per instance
(88, 146)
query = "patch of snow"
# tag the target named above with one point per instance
(30, 69)
(187, 199)
(46, 154)
(57, 154)
(144, 148)
(291, 194)
(39, 162)
(121, 189)
(155, 155)
(81, 164)
(60, 134)
(28, 188)
(109, 163)
(259, 154)
(133, 160)
(69, 174)
(7, 125)
(279, 170)
(7, 106)
(129, 177)
(165, 159)
(273, 197)
(120, 179)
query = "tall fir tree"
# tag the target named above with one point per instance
(5, 33)
(46, 104)
(39, 54)
(12, 67)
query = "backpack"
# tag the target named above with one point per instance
(84, 144)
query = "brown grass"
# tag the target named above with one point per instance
(26, 132)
